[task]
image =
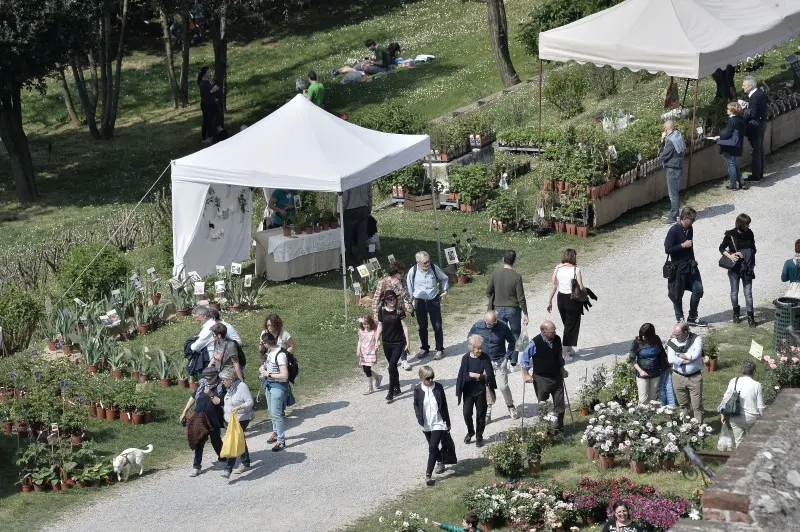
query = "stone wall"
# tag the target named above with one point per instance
(759, 487)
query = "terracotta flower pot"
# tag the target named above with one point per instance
(138, 418)
(117, 373)
(7, 425)
(93, 409)
(561, 186)
(193, 386)
(135, 375)
(667, 464)
(141, 329)
(76, 439)
(56, 486)
(236, 308)
(585, 411)
(38, 488)
(607, 462)
(111, 414)
(51, 346)
(561, 227)
(582, 231)
(534, 467)
(548, 185)
(166, 383)
(712, 365)
(317, 228)
(182, 313)
(66, 348)
(591, 454)
(156, 298)
(143, 378)
(572, 229)
(308, 230)
(27, 488)
(637, 466)
(335, 224)
(100, 412)
(462, 279)
(183, 383)
(126, 417)
(91, 369)
(148, 417)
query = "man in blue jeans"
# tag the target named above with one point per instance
(672, 152)
(685, 275)
(427, 284)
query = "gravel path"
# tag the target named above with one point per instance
(348, 453)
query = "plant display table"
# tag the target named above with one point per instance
(281, 258)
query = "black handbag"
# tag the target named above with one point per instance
(668, 269)
(578, 294)
(448, 449)
(725, 261)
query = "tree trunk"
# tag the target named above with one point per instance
(118, 73)
(184, 87)
(15, 141)
(93, 76)
(88, 103)
(168, 61)
(221, 58)
(105, 69)
(62, 81)
(498, 31)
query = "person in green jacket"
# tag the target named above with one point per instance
(315, 91)
(469, 524)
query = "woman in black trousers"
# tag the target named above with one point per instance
(208, 103)
(393, 332)
(474, 377)
(430, 406)
(739, 245)
(569, 309)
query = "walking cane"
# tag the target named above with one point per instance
(522, 417)
(569, 406)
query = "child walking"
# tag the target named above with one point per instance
(367, 350)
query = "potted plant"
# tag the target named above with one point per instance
(462, 276)
(43, 477)
(234, 292)
(146, 364)
(141, 318)
(163, 366)
(118, 358)
(156, 314)
(304, 221)
(286, 224)
(50, 325)
(92, 348)
(180, 371)
(502, 210)
(144, 406)
(180, 298)
(26, 483)
(507, 456)
(66, 323)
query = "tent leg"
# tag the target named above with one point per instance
(691, 146)
(539, 140)
(344, 264)
(435, 212)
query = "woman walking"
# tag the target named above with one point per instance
(430, 406)
(393, 332)
(207, 419)
(273, 324)
(739, 245)
(570, 309)
(650, 360)
(394, 280)
(239, 401)
(226, 351)
(791, 272)
(275, 372)
(367, 351)
(475, 376)
(208, 103)
(731, 142)
(751, 401)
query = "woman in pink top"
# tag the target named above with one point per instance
(367, 350)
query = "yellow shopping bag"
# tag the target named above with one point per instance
(233, 445)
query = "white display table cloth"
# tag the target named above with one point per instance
(288, 248)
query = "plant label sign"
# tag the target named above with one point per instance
(175, 283)
(113, 315)
(248, 281)
(194, 277)
(220, 270)
(54, 427)
(116, 295)
(153, 274)
(390, 259)
(375, 264)
(199, 288)
(451, 255)
(219, 286)
(137, 283)
(363, 271)
(357, 288)
(79, 302)
(298, 202)
(756, 350)
(236, 268)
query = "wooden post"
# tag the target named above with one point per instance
(539, 141)
(691, 146)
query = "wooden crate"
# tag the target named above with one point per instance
(420, 203)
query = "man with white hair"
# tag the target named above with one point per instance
(427, 284)
(685, 353)
(756, 117)
(672, 152)
(208, 317)
(543, 364)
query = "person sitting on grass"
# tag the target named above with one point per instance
(469, 524)
(378, 62)
(315, 91)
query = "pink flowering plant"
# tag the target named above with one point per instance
(782, 371)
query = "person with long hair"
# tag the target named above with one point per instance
(367, 351)
(791, 272)
(731, 143)
(739, 245)
(569, 309)
(208, 103)
(393, 333)
(649, 358)
(273, 324)
(394, 281)
(620, 520)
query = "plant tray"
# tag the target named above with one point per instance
(420, 203)
(521, 149)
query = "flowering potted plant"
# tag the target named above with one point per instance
(508, 456)
(490, 503)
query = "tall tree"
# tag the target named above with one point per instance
(65, 93)
(30, 48)
(169, 61)
(498, 31)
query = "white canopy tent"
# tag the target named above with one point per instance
(682, 38)
(301, 147)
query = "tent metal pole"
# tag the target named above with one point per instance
(539, 140)
(435, 212)
(691, 147)
(341, 236)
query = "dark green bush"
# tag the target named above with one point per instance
(107, 272)
(551, 14)
(604, 80)
(565, 89)
(391, 118)
(20, 312)
(412, 178)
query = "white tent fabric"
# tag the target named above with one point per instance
(300, 146)
(683, 38)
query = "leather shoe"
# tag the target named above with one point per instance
(468, 438)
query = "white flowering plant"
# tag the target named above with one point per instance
(401, 521)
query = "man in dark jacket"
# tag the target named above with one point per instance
(475, 378)
(499, 343)
(756, 117)
(685, 275)
(672, 151)
(543, 364)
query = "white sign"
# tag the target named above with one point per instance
(220, 270)
(451, 255)
(236, 268)
(756, 349)
(390, 259)
(153, 274)
(363, 271)
(199, 288)
(248, 281)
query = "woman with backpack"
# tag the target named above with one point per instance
(275, 372)
(226, 351)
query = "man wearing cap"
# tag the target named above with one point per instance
(208, 399)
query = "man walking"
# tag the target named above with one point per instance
(357, 205)
(756, 117)
(685, 353)
(427, 284)
(499, 344)
(507, 295)
(685, 275)
(672, 151)
(544, 360)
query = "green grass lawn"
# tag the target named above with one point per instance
(566, 462)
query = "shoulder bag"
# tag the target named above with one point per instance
(668, 269)
(578, 293)
(732, 407)
(725, 261)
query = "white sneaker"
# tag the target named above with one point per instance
(406, 365)
(194, 472)
(512, 411)
(422, 353)
(241, 469)
(225, 474)
(439, 355)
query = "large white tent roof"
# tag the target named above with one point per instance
(302, 147)
(683, 38)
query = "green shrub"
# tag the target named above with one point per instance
(566, 89)
(20, 312)
(391, 118)
(412, 178)
(92, 282)
(550, 14)
(604, 80)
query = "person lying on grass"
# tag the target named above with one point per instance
(378, 62)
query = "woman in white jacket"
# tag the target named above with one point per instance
(237, 399)
(751, 401)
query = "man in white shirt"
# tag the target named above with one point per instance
(751, 401)
(205, 340)
(685, 353)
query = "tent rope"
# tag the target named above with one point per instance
(107, 242)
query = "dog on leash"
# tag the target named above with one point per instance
(130, 458)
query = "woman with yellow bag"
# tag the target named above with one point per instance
(238, 414)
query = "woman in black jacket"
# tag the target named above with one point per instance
(430, 406)
(731, 142)
(739, 245)
(474, 376)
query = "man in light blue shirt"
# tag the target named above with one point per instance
(685, 353)
(423, 281)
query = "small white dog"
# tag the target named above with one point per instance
(130, 458)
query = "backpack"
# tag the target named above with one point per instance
(291, 364)
(240, 354)
(438, 281)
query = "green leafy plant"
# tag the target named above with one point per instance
(508, 455)
(67, 323)
(20, 313)
(161, 363)
(92, 346)
(590, 391)
(566, 90)
(504, 207)
(180, 297)
(90, 271)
